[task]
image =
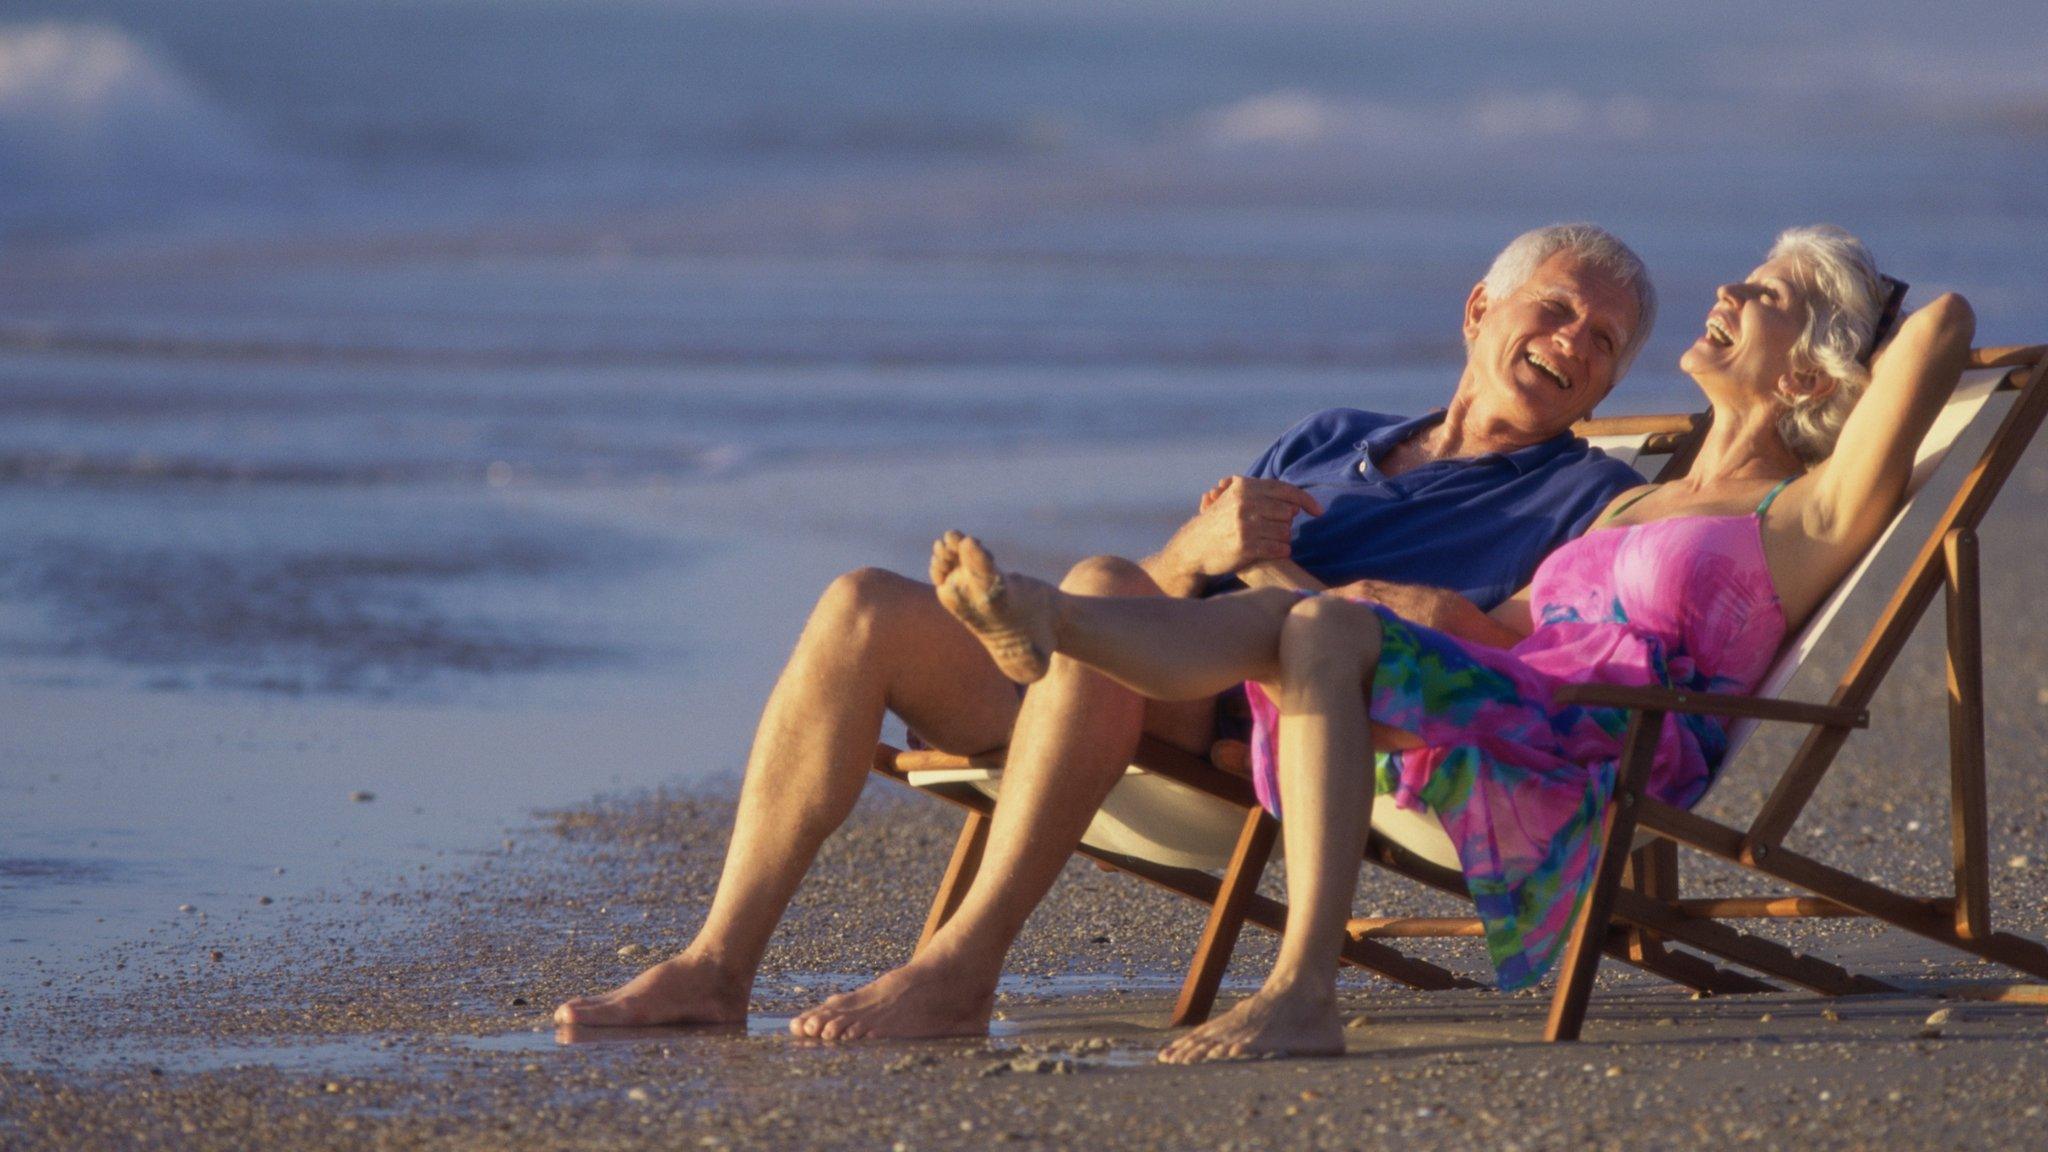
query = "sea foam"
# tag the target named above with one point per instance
(94, 120)
(1295, 118)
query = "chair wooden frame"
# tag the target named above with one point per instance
(1634, 911)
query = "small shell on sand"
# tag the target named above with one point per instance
(631, 950)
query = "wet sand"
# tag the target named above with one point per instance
(417, 1018)
(411, 1011)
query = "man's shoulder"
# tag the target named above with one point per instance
(1332, 423)
(1585, 464)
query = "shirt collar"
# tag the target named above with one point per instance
(1383, 440)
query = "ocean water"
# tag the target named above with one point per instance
(373, 374)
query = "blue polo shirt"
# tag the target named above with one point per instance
(1477, 525)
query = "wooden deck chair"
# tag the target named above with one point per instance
(2001, 405)
(1634, 910)
(1182, 823)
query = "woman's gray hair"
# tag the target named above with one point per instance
(1594, 245)
(1843, 298)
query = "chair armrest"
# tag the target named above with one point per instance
(1712, 704)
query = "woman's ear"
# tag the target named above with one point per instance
(1798, 389)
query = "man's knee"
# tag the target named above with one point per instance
(1328, 634)
(856, 602)
(1109, 576)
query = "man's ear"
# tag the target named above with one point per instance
(1475, 310)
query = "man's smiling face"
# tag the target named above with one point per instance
(1548, 351)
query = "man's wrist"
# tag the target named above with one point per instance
(1174, 576)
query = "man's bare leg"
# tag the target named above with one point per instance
(875, 641)
(1075, 733)
(1074, 738)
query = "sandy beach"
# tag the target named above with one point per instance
(424, 428)
(385, 1005)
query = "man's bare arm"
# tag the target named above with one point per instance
(1281, 574)
(1241, 522)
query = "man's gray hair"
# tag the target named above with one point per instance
(1593, 245)
(1843, 298)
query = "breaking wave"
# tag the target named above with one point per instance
(1295, 118)
(94, 121)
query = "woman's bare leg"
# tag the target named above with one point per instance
(1329, 649)
(875, 640)
(1167, 649)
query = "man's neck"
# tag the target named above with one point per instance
(1465, 431)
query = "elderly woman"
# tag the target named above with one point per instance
(1693, 583)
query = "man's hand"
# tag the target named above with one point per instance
(1423, 605)
(1241, 521)
(1438, 608)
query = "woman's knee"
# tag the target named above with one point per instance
(1109, 576)
(1326, 634)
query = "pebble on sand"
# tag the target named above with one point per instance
(361, 797)
(637, 1095)
(187, 908)
(2018, 862)
(631, 950)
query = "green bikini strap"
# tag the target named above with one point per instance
(1631, 501)
(1764, 505)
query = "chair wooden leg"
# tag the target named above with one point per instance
(1589, 935)
(1226, 918)
(1652, 871)
(1969, 842)
(959, 874)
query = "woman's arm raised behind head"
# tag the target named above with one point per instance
(1856, 489)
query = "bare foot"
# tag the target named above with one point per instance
(682, 990)
(919, 1000)
(1011, 615)
(1268, 1024)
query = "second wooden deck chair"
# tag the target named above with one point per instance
(1175, 819)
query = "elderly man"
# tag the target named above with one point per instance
(1439, 516)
